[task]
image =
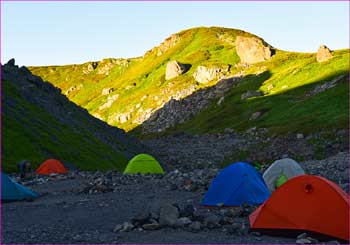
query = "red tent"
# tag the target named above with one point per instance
(51, 166)
(305, 203)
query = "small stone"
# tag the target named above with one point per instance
(303, 241)
(255, 233)
(195, 226)
(118, 228)
(313, 240)
(152, 226)
(255, 115)
(212, 221)
(302, 235)
(300, 136)
(184, 221)
(333, 242)
(127, 226)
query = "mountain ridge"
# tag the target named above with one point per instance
(127, 92)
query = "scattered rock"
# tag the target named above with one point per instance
(168, 215)
(255, 115)
(195, 226)
(220, 100)
(300, 136)
(152, 226)
(323, 54)
(302, 235)
(250, 94)
(204, 74)
(174, 69)
(252, 50)
(303, 241)
(333, 242)
(106, 91)
(183, 221)
(212, 221)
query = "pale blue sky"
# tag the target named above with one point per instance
(47, 33)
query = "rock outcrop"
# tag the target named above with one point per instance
(106, 91)
(252, 50)
(250, 94)
(174, 69)
(204, 74)
(179, 111)
(323, 54)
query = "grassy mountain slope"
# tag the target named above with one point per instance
(139, 85)
(39, 123)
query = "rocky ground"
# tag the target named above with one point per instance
(255, 145)
(96, 207)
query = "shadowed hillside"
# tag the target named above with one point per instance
(39, 123)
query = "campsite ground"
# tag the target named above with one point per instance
(65, 216)
(70, 211)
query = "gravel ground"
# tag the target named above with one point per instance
(75, 209)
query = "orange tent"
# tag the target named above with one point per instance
(51, 166)
(305, 203)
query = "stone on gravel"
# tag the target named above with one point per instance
(183, 221)
(152, 226)
(303, 241)
(168, 215)
(118, 227)
(212, 221)
(333, 242)
(127, 227)
(302, 235)
(195, 226)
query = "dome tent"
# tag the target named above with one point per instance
(51, 166)
(143, 164)
(305, 203)
(13, 191)
(280, 171)
(235, 185)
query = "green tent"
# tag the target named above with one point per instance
(281, 180)
(143, 164)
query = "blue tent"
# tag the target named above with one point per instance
(236, 185)
(12, 191)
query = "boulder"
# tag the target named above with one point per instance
(255, 115)
(169, 215)
(195, 226)
(204, 74)
(106, 91)
(323, 54)
(174, 69)
(252, 50)
(92, 66)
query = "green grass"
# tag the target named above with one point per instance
(31, 133)
(289, 74)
